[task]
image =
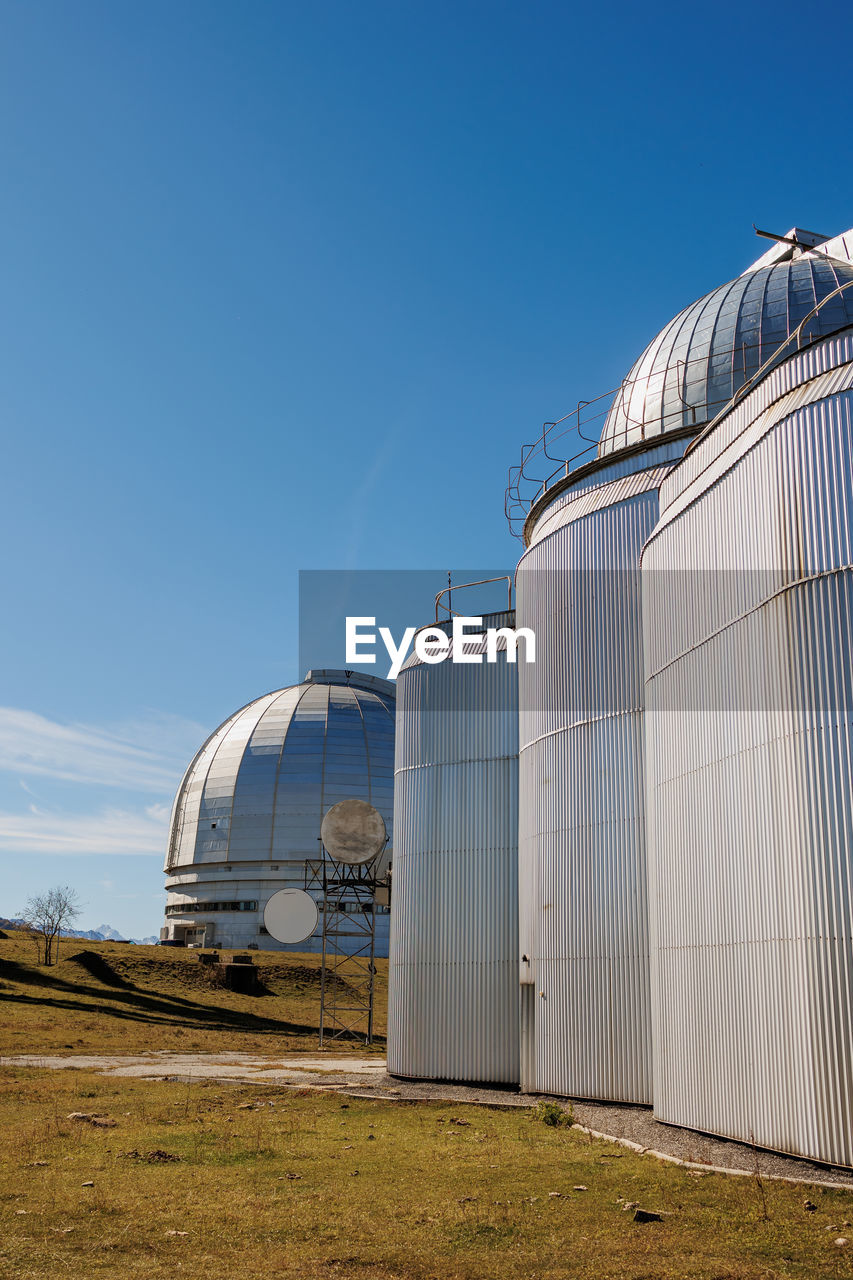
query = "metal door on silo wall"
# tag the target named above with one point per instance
(582, 877)
(453, 993)
(749, 658)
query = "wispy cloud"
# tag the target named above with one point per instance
(360, 499)
(147, 756)
(114, 831)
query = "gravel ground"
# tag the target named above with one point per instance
(366, 1077)
(637, 1124)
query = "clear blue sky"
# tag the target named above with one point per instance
(285, 286)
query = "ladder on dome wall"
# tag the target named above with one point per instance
(347, 976)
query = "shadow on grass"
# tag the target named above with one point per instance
(131, 1003)
(125, 1002)
(101, 969)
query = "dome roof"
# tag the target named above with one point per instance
(258, 788)
(690, 371)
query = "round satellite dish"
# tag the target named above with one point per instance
(354, 832)
(291, 915)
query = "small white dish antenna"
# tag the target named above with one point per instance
(291, 915)
(353, 832)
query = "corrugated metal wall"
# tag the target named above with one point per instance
(453, 980)
(582, 876)
(748, 596)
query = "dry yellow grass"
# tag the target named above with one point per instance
(105, 997)
(192, 1180)
(215, 1181)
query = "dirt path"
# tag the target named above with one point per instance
(368, 1078)
(244, 1068)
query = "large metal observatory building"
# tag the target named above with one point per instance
(685, 778)
(246, 818)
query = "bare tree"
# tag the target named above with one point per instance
(46, 915)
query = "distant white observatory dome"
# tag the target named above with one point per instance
(247, 814)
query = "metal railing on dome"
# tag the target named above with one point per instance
(780, 354)
(518, 497)
(581, 427)
(450, 612)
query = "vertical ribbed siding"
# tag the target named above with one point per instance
(748, 598)
(832, 354)
(453, 983)
(582, 877)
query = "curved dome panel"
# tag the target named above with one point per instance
(258, 788)
(690, 371)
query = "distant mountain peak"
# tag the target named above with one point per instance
(108, 933)
(103, 933)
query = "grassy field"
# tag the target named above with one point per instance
(217, 1181)
(214, 1182)
(105, 997)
